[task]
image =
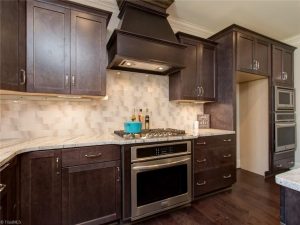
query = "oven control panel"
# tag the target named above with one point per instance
(161, 150)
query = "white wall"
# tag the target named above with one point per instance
(297, 87)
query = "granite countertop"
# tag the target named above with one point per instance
(290, 179)
(12, 147)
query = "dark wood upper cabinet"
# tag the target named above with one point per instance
(12, 45)
(41, 188)
(208, 73)
(253, 54)
(282, 66)
(48, 48)
(9, 191)
(190, 79)
(196, 82)
(88, 38)
(65, 46)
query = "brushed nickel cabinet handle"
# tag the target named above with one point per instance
(198, 91)
(227, 177)
(291, 162)
(67, 80)
(73, 80)
(23, 78)
(201, 143)
(227, 156)
(279, 165)
(201, 183)
(227, 140)
(57, 165)
(93, 156)
(2, 187)
(201, 160)
(202, 91)
(118, 174)
(4, 167)
(257, 65)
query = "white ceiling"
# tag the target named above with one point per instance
(279, 19)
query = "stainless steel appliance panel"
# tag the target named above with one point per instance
(284, 98)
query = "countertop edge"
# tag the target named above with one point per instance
(9, 152)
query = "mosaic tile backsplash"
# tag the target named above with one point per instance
(30, 119)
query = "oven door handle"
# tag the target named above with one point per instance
(287, 124)
(160, 166)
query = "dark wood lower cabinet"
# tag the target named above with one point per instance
(214, 163)
(91, 193)
(289, 206)
(41, 188)
(8, 192)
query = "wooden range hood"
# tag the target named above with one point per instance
(145, 41)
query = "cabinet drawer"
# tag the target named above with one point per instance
(284, 155)
(91, 154)
(213, 157)
(211, 180)
(284, 164)
(212, 141)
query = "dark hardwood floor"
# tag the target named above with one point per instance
(252, 201)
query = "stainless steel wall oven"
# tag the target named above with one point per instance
(285, 131)
(160, 177)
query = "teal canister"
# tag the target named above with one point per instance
(133, 127)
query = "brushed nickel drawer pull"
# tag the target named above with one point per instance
(279, 166)
(4, 167)
(2, 187)
(201, 184)
(227, 156)
(227, 140)
(226, 177)
(201, 161)
(201, 143)
(291, 162)
(93, 156)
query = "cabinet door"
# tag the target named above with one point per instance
(91, 193)
(208, 73)
(189, 75)
(263, 57)
(48, 48)
(41, 188)
(288, 72)
(8, 191)
(88, 36)
(282, 69)
(12, 48)
(245, 52)
(277, 64)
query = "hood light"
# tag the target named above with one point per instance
(128, 64)
(160, 68)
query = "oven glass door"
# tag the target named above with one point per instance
(285, 136)
(160, 184)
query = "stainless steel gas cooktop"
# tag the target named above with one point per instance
(151, 133)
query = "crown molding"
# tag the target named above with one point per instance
(179, 24)
(110, 5)
(295, 40)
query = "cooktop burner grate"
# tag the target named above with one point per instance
(151, 133)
